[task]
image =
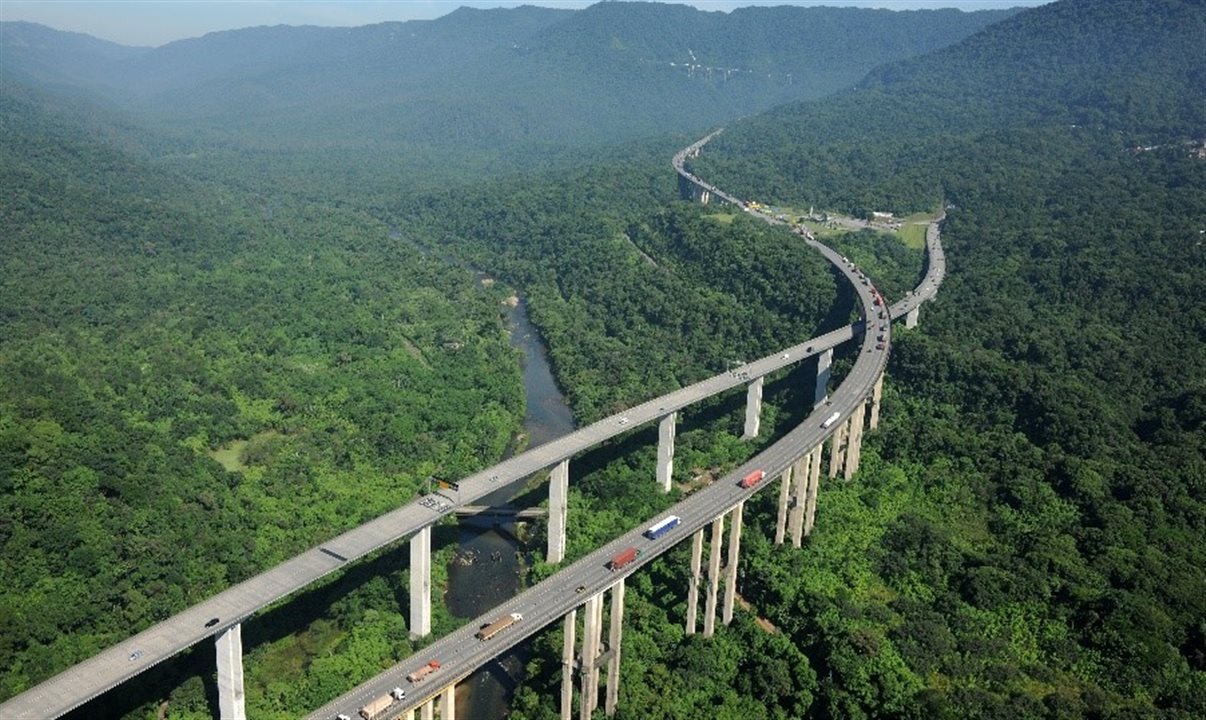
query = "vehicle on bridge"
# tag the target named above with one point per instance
(622, 559)
(829, 421)
(752, 479)
(489, 630)
(368, 712)
(424, 671)
(659, 529)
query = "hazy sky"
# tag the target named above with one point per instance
(155, 22)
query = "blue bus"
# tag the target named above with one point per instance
(659, 529)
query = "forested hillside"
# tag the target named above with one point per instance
(1129, 70)
(197, 383)
(1025, 538)
(214, 350)
(623, 287)
(454, 94)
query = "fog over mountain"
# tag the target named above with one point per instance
(526, 78)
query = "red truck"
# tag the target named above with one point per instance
(752, 479)
(623, 559)
(424, 671)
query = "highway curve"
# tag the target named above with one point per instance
(460, 653)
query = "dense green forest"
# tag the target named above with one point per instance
(204, 356)
(1025, 538)
(196, 384)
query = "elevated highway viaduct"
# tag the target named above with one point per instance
(795, 459)
(221, 616)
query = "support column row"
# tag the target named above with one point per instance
(798, 498)
(592, 655)
(714, 573)
(427, 711)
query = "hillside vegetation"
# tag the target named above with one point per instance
(451, 97)
(1025, 539)
(153, 325)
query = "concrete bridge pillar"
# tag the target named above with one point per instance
(448, 703)
(591, 632)
(814, 484)
(824, 360)
(912, 316)
(705, 197)
(693, 581)
(665, 451)
(835, 449)
(230, 673)
(753, 409)
(420, 583)
(803, 471)
(848, 460)
(427, 710)
(567, 665)
(713, 576)
(785, 483)
(855, 443)
(876, 394)
(558, 507)
(730, 583)
(613, 646)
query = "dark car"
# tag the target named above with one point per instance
(211, 622)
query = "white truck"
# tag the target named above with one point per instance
(829, 421)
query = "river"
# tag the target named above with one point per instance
(486, 569)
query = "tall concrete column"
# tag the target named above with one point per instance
(567, 665)
(824, 360)
(693, 581)
(835, 449)
(594, 675)
(713, 576)
(589, 676)
(911, 317)
(753, 409)
(854, 444)
(810, 499)
(848, 460)
(785, 482)
(420, 583)
(427, 710)
(876, 393)
(230, 673)
(665, 451)
(861, 422)
(730, 582)
(613, 645)
(448, 703)
(558, 507)
(803, 471)
(410, 714)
